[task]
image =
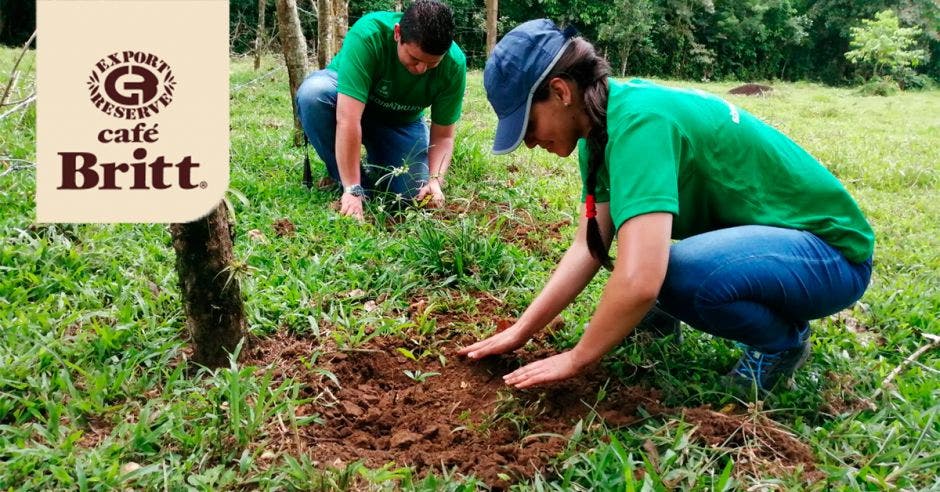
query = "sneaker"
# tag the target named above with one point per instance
(756, 368)
(659, 324)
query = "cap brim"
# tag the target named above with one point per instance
(511, 129)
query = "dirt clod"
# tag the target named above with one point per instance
(751, 90)
(284, 228)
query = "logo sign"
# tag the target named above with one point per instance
(132, 122)
(131, 85)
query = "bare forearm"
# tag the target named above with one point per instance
(441, 149)
(574, 272)
(642, 258)
(348, 145)
(623, 304)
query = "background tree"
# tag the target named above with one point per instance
(340, 23)
(884, 46)
(492, 14)
(627, 31)
(259, 36)
(294, 46)
(212, 302)
(325, 30)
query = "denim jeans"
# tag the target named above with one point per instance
(397, 155)
(759, 285)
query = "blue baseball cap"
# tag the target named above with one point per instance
(513, 72)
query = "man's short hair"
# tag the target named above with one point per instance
(430, 24)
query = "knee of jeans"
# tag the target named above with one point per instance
(316, 93)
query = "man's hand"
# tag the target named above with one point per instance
(555, 368)
(351, 206)
(505, 341)
(432, 192)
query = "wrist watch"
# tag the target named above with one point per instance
(355, 190)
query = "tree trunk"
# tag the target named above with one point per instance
(398, 6)
(259, 38)
(324, 32)
(341, 23)
(492, 12)
(295, 55)
(624, 55)
(212, 299)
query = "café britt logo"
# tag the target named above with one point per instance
(129, 85)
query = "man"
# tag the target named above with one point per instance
(391, 66)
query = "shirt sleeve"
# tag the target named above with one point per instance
(644, 154)
(360, 59)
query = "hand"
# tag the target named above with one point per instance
(505, 341)
(433, 192)
(555, 368)
(351, 206)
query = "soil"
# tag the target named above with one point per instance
(284, 228)
(759, 446)
(751, 90)
(461, 416)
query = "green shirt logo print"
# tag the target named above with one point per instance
(383, 89)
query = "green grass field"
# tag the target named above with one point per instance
(96, 392)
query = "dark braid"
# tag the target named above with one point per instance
(582, 65)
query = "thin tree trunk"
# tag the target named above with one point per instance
(295, 55)
(398, 6)
(492, 14)
(212, 298)
(324, 32)
(259, 38)
(341, 23)
(624, 56)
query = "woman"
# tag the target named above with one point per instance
(768, 238)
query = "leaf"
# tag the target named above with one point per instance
(724, 481)
(407, 353)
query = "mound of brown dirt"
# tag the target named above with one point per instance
(759, 446)
(751, 90)
(458, 415)
(463, 418)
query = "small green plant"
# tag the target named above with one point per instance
(886, 48)
(420, 376)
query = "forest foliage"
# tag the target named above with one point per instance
(688, 39)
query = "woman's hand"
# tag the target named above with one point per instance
(505, 341)
(555, 368)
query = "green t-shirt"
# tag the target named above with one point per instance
(368, 70)
(714, 165)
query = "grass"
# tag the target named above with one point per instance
(93, 368)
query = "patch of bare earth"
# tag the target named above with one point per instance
(284, 228)
(751, 90)
(760, 447)
(462, 417)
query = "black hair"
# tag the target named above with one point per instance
(581, 64)
(430, 24)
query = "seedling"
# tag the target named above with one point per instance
(420, 376)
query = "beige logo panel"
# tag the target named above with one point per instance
(132, 109)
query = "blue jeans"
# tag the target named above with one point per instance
(759, 285)
(397, 155)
